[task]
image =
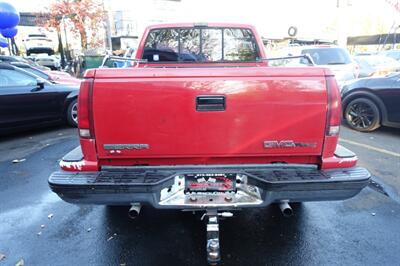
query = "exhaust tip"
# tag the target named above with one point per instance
(286, 210)
(134, 211)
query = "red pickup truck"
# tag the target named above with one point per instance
(201, 122)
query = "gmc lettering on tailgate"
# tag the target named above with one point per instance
(126, 146)
(275, 144)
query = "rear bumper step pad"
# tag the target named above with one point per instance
(277, 182)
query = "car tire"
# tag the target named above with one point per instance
(72, 113)
(362, 114)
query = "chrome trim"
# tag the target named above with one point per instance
(245, 195)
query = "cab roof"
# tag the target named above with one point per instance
(200, 25)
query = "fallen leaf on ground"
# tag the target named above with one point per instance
(50, 216)
(2, 256)
(20, 263)
(18, 160)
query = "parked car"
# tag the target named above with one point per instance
(49, 61)
(394, 53)
(365, 53)
(37, 43)
(32, 70)
(220, 132)
(333, 57)
(369, 103)
(129, 53)
(376, 65)
(28, 101)
(62, 77)
(18, 59)
(49, 75)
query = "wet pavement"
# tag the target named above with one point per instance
(36, 226)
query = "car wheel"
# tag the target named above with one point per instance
(363, 115)
(72, 113)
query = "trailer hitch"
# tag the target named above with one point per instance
(213, 243)
(212, 246)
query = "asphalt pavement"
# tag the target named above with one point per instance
(40, 229)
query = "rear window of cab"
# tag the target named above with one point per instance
(200, 45)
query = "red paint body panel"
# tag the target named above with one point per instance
(158, 108)
(256, 159)
(89, 163)
(334, 162)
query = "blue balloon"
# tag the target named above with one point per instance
(9, 17)
(3, 42)
(9, 32)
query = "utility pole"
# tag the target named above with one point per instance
(61, 48)
(68, 55)
(14, 47)
(342, 21)
(60, 44)
(108, 42)
(9, 46)
(396, 6)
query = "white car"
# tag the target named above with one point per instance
(38, 43)
(49, 61)
(333, 57)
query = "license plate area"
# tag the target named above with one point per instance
(228, 190)
(210, 182)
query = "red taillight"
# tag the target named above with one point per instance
(333, 117)
(334, 107)
(85, 109)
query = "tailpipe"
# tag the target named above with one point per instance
(286, 209)
(134, 211)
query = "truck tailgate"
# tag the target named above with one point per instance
(209, 112)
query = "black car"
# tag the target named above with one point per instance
(369, 103)
(395, 54)
(32, 69)
(27, 100)
(18, 59)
